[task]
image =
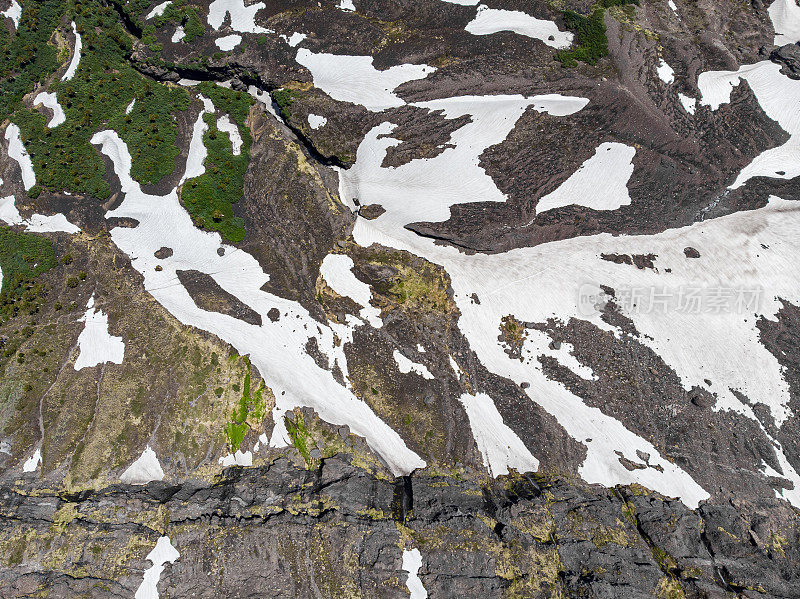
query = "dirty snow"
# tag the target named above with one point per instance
(145, 469)
(665, 72)
(50, 100)
(32, 463)
(500, 446)
(412, 562)
(17, 152)
(76, 55)
(601, 183)
(95, 344)
(158, 10)
(229, 42)
(225, 125)
(785, 17)
(492, 20)
(354, 79)
(243, 18)
(276, 349)
(162, 553)
(405, 366)
(336, 269)
(316, 121)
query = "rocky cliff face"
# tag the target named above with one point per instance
(379, 299)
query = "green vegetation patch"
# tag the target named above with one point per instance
(179, 13)
(209, 198)
(591, 41)
(28, 55)
(23, 257)
(284, 98)
(250, 410)
(299, 436)
(96, 98)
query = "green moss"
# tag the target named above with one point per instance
(209, 198)
(299, 436)
(249, 411)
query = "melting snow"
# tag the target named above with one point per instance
(243, 18)
(405, 366)
(145, 469)
(13, 12)
(336, 269)
(76, 55)
(412, 562)
(50, 100)
(229, 42)
(665, 72)
(225, 125)
(162, 553)
(500, 446)
(158, 10)
(33, 462)
(316, 121)
(17, 151)
(601, 183)
(197, 149)
(95, 344)
(492, 20)
(785, 16)
(354, 79)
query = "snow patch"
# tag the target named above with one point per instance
(158, 10)
(240, 458)
(500, 446)
(492, 20)
(405, 366)
(689, 104)
(197, 149)
(76, 55)
(129, 107)
(95, 344)
(354, 79)
(225, 125)
(665, 72)
(347, 5)
(16, 151)
(337, 271)
(294, 39)
(179, 34)
(32, 463)
(37, 223)
(316, 121)
(13, 12)
(50, 100)
(162, 553)
(601, 183)
(145, 469)
(243, 18)
(229, 42)
(412, 562)
(785, 17)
